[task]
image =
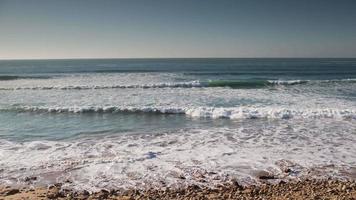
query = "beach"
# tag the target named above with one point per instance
(305, 189)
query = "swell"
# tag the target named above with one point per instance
(13, 77)
(236, 84)
(201, 112)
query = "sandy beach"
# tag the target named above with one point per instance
(305, 189)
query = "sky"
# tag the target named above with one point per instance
(43, 29)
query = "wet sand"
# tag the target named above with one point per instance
(306, 189)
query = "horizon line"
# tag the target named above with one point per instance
(132, 58)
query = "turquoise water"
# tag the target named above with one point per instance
(204, 114)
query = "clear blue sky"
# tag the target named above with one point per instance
(180, 28)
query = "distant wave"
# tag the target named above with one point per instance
(252, 83)
(88, 87)
(11, 77)
(265, 73)
(236, 84)
(201, 112)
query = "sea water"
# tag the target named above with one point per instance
(120, 123)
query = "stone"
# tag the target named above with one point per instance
(11, 192)
(264, 175)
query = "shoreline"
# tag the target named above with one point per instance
(303, 189)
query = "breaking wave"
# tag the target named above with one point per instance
(89, 87)
(202, 112)
(236, 84)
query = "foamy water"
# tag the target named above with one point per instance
(185, 156)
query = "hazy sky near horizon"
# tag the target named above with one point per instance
(31, 29)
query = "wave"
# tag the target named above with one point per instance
(297, 82)
(11, 77)
(199, 155)
(202, 112)
(253, 83)
(236, 84)
(89, 87)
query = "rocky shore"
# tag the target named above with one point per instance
(306, 189)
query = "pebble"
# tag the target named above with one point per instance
(12, 192)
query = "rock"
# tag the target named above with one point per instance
(11, 192)
(52, 195)
(247, 191)
(343, 188)
(31, 178)
(265, 175)
(51, 187)
(53, 192)
(181, 176)
(86, 193)
(104, 191)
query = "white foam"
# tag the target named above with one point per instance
(295, 82)
(270, 113)
(130, 80)
(206, 112)
(288, 82)
(214, 155)
(191, 84)
(100, 81)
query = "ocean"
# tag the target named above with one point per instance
(131, 123)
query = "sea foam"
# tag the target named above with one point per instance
(189, 156)
(242, 84)
(203, 112)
